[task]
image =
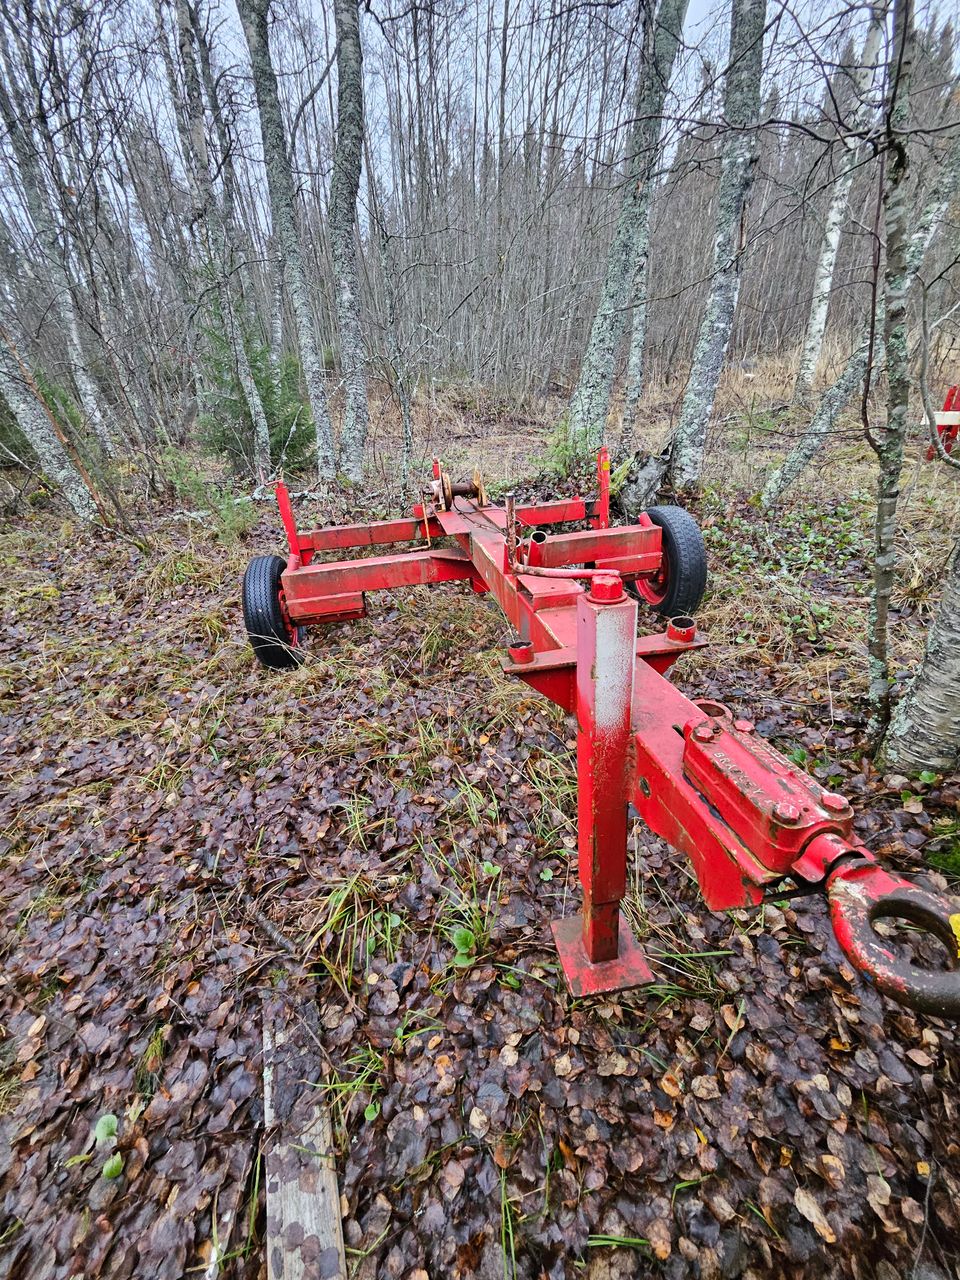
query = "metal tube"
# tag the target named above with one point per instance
(606, 640)
(598, 953)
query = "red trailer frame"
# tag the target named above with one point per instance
(947, 422)
(749, 820)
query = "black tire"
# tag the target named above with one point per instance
(276, 644)
(678, 590)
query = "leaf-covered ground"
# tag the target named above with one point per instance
(388, 833)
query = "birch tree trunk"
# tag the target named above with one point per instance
(836, 397)
(395, 354)
(905, 254)
(741, 108)
(925, 730)
(344, 186)
(625, 274)
(16, 117)
(253, 16)
(888, 440)
(823, 277)
(237, 258)
(831, 405)
(638, 338)
(43, 435)
(276, 305)
(212, 222)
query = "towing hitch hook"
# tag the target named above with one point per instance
(861, 893)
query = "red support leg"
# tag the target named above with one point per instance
(598, 951)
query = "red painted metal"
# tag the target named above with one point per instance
(545, 513)
(317, 591)
(603, 483)
(683, 630)
(947, 422)
(292, 629)
(606, 635)
(861, 892)
(586, 977)
(521, 652)
(287, 518)
(750, 821)
(380, 533)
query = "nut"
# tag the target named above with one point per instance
(786, 812)
(606, 588)
(834, 803)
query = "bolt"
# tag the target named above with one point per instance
(745, 726)
(786, 812)
(836, 804)
(606, 588)
(704, 731)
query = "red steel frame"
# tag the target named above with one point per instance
(947, 422)
(747, 818)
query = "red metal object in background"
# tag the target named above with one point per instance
(603, 484)
(947, 422)
(750, 821)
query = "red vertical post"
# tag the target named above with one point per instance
(598, 953)
(603, 481)
(287, 518)
(606, 644)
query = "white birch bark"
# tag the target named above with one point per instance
(625, 276)
(344, 186)
(638, 338)
(237, 259)
(861, 79)
(211, 221)
(836, 397)
(924, 732)
(276, 305)
(832, 403)
(741, 108)
(888, 440)
(32, 419)
(91, 232)
(396, 356)
(16, 117)
(253, 16)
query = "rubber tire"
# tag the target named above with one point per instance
(274, 644)
(686, 558)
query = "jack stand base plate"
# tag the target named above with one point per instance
(629, 969)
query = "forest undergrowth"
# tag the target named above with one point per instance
(386, 834)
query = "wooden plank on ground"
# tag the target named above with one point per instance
(304, 1228)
